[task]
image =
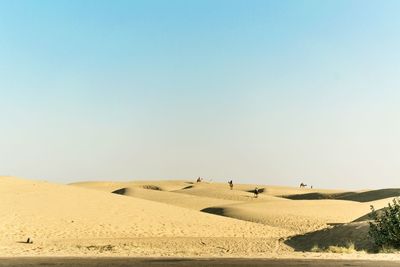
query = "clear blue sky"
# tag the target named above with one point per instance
(273, 92)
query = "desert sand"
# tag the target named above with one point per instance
(182, 218)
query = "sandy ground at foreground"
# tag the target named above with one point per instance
(182, 218)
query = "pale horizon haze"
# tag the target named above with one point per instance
(262, 92)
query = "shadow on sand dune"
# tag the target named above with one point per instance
(214, 210)
(340, 235)
(260, 190)
(355, 232)
(186, 187)
(352, 196)
(126, 190)
(121, 191)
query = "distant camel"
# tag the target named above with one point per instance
(303, 185)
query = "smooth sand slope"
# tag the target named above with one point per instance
(67, 220)
(309, 216)
(273, 207)
(162, 191)
(174, 218)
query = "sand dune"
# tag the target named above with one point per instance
(297, 216)
(160, 191)
(161, 218)
(169, 185)
(355, 232)
(366, 196)
(50, 213)
(306, 211)
(176, 199)
(340, 235)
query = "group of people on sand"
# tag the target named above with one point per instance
(200, 179)
(303, 185)
(230, 182)
(256, 191)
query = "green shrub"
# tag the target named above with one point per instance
(349, 248)
(316, 248)
(385, 249)
(385, 225)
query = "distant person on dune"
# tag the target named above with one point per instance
(256, 192)
(230, 184)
